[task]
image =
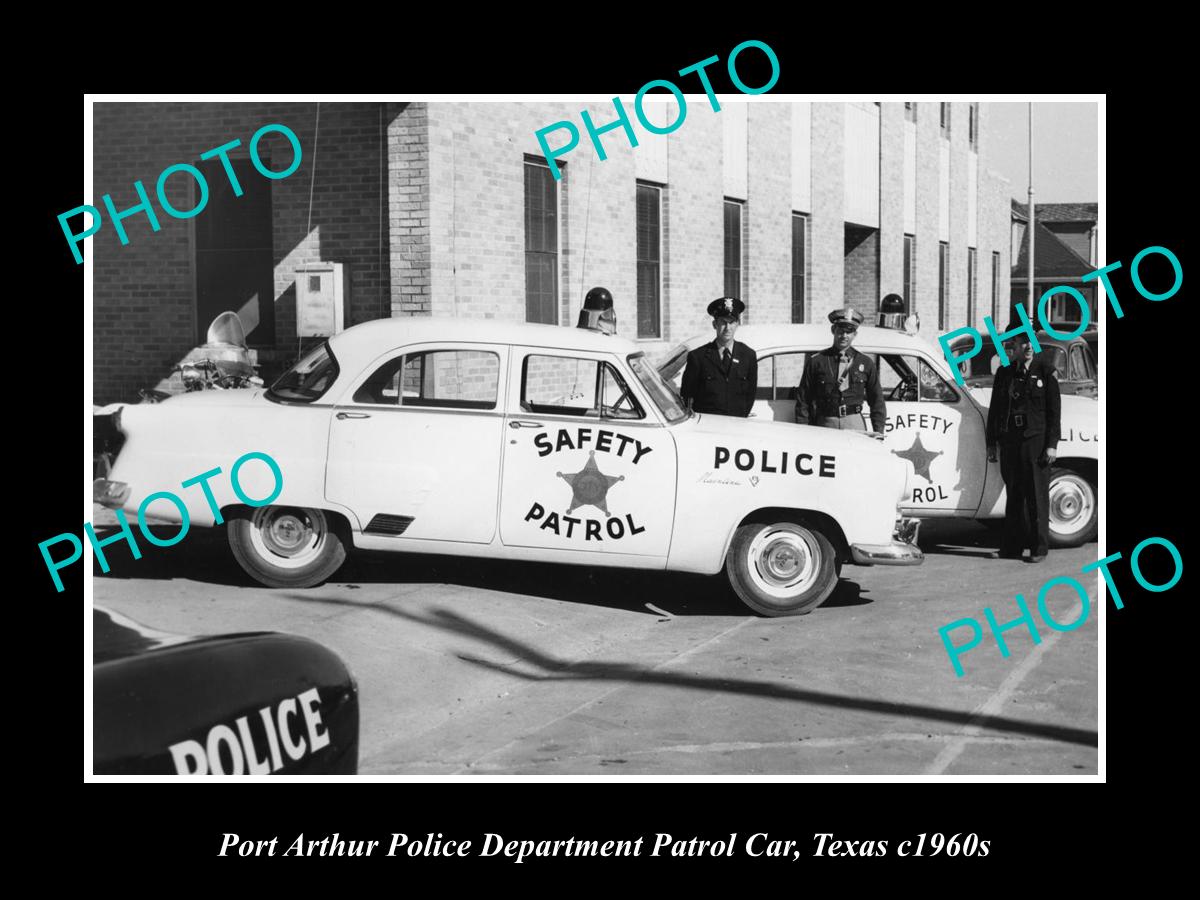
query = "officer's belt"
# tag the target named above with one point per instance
(1017, 420)
(844, 410)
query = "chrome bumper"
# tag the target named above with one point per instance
(902, 551)
(896, 553)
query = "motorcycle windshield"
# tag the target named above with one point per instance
(226, 329)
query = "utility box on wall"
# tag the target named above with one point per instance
(321, 290)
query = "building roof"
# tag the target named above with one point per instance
(1052, 258)
(371, 339)
(1060, 212)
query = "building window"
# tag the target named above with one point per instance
(972, 287)
(799, 263)
(943, 282)
(910, 112)
(973, 125)
(649, 261)
(996, 285)
(541, 244)
(945, 120)
(733, 249)
(910, 247)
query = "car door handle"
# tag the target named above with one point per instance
(523, 423)
(349, 415)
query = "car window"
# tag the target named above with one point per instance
(1078, 369)
(788, 369)
(934, 388)
(672, 369)
(779, 375)
(445, 379)
(308, 379)
(909, 379)
(766, 379)
(1056, 356)
(567, 386)
(978, 370)
(661, 391)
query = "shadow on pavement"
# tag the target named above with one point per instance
(546, 667)
(960, 537)
(204, 556)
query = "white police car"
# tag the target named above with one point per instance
(938, 427)
(519, 442)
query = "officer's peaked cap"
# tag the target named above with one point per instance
(726, 306)
(847, 314)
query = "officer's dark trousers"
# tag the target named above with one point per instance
(1027, 514)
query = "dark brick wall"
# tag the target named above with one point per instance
(144, 292)
(862, 269)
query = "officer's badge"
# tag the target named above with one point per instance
(1039, 382)
(860, 367)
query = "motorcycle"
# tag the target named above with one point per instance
(222, 363)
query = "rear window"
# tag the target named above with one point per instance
(444, 379)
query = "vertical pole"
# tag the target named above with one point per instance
(1030, 301)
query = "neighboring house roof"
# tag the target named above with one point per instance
(1052, 258)
(1060, 212)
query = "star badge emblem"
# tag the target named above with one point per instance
(589, 486)
(919, 457)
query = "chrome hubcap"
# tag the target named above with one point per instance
(1071, 504)
(288, 536)
(785, 560)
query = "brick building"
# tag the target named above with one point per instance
(450, 209)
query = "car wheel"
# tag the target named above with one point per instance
(286, 546)
(781, 569)
(1074, 511)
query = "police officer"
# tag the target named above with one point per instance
(1024, 419)
(722, 376)
(838, 380)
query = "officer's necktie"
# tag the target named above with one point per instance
(726, 360)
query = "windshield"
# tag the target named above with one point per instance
(308, 379)
(663, 393)
(981, 368)
(674, 364)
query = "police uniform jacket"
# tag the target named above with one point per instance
(1041, 401)
(818, 396)
(710, 390)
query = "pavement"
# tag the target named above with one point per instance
(479, 667)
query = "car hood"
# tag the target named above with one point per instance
(233, 397)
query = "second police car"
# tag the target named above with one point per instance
(938, 427)
(518, 441)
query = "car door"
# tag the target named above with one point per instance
(415, 448)
(940, 431)
(588, 466)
